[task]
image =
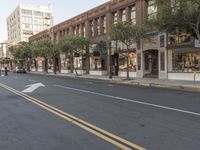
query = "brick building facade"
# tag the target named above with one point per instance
(148, 58)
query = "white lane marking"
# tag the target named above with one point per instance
(130, 100)
(31, 80)
(33, 87)
(89, 82)
(110, 85)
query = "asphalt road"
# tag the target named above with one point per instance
(110, 116)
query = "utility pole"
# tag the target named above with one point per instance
(109, 57)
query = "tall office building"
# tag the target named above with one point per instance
(27, 20)
(4, 53)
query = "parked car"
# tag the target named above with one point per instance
(19, 70)
(2, 69)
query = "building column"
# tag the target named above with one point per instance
(101, 25)
(108, 22)
(71, 32)
(95, 27)
(119, 15)
(87, 29)
(127, 14)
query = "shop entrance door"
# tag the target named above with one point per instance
(151, 64)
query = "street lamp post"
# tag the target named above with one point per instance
(109, 57)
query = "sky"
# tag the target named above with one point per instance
(62, 10)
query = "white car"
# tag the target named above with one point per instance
(2, 69)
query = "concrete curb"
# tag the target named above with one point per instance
(158, 85)
(134, 83)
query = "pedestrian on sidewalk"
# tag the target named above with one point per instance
(6, 71)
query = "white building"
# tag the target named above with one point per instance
(27, 20)
(4, 53)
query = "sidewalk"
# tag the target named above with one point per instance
(148, 82)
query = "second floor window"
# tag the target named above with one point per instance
(132, 14)
(123, 15)
(115, 17)
(84, 33)
(151, 9)
(91, 28)
(98, 26)
(104, 24)
(80, 30)
(26, 11)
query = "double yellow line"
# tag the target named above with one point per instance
(105, 135)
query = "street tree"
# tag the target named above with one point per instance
(44, 48)
(178, 14)
(128, 34)
(75, 44)
(23, 53)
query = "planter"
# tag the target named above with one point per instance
(98, 73)
(183, 76)
(79, 72)
(65, 71)
(124, 74)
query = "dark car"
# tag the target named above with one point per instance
(20, 70)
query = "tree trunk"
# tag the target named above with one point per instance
(46, 65)
(127, 70)
(54, 65)
(71, 62)
(127, 63)
(36, 65)
(29, 65)
(87, 61)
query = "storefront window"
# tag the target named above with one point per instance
(95, 63)
(79, 61)
(123, 62)
(65, 64)
(98, 59)
(162, 41)
(151, 9)
(185, 61)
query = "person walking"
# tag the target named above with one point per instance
(6, 71)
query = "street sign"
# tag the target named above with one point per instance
(33, 87)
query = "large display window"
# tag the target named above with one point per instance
(98, 63)
(65, 64)
(184, 60)
(123, 62)
(80, 63)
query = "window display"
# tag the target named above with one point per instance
(80, 63)
(123, 63)
(65, 64)
(185, 61)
